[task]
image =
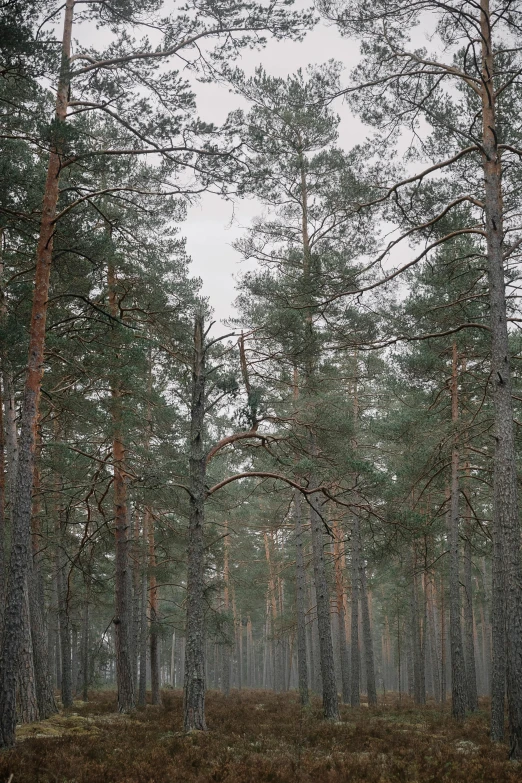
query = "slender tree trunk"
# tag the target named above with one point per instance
(3, 547)
(341, 615)
(74, 659)
(136, 597)
(443, 673)
(326, 654)
(85, 642)
(144, 605)
(458, 672)
(355, 693)
(194, 683)
(123, 578)
(419, 673)
(154, 616)
(506, 523)
(302, 665)
(367, 636)
(275, 642)
(226, 662)
(469, 623)
(21, 511)
(35, 589)
(434, 644)
(469, 634)
(63, 615)
(498, 642)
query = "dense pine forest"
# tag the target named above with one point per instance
(284, 545)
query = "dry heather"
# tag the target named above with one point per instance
(257, 737)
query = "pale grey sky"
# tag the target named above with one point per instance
(214, 224)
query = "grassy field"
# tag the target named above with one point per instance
(257, 736)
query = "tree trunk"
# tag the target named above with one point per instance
(498, 642)
(123, 578)
(144, 605)
(341, 614)
(154, 614)
(417, 647)
(136, 597)
(226, 663)
(63, 616)
(26, 699)
(434, 643)
(21, 513)
(3, 563)
(300, 578)
(194, 681)
(35, 589)
(469, 635)
(326, 654)
(85, 644)
(458, 672)
(355, 693)
(506, 523)
(367, 636)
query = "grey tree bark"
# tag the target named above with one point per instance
(144, 602)
(300, 573)
(506, 522)
(12, 638)
(340, 566)
(330, 698)
(471, 671)
(367, 637)
(458, 670)
(194, 684)
(355, 657)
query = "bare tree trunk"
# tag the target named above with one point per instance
(498, 642)
(21, 511)
(26, 699)
(144, 605)
(3, 542)
(194, 685)
(506, 523)
(35, 589)
(458, 672)
(136, 596)
(85, 643)
(434, 642)
(469, 635)
(123, 578)
(355, 691)
(419, 673)
(226, 662)
(60, 556)
(302, 665)
(367, 636)
(154, 616)
(341, 614)
(330, 699)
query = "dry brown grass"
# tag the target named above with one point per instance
(259, 737)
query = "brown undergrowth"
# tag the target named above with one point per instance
(257, 737)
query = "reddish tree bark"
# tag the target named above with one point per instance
(21, 516)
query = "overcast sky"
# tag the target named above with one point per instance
(213, 224)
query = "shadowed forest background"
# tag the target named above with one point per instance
(287, 546)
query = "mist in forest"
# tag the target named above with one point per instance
(259, 403)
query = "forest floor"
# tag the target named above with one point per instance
(257, 737)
